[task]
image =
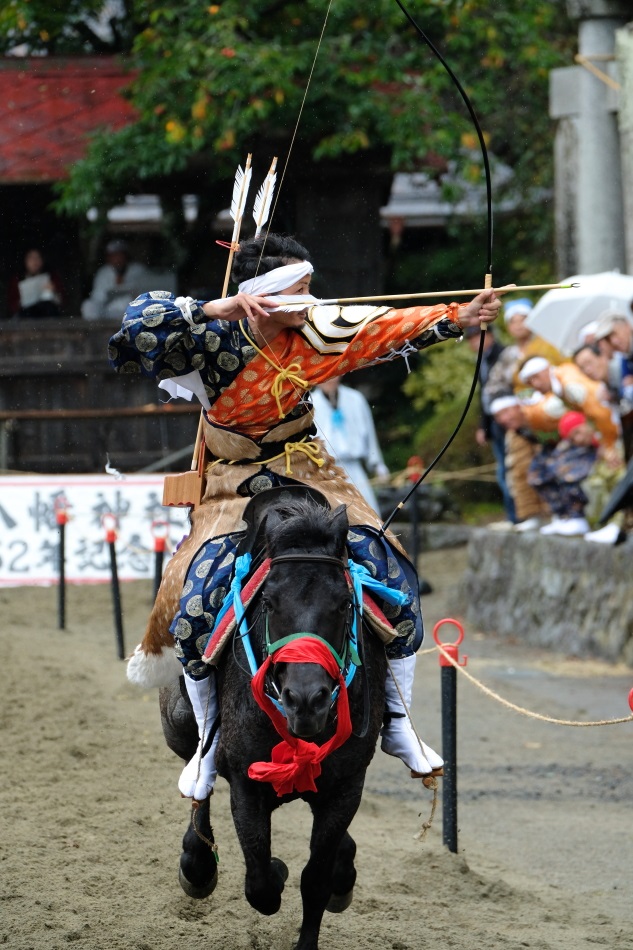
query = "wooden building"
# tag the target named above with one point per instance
(63, 409)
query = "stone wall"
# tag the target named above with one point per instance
(564, 593)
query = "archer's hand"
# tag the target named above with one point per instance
(483, 309)
(240, 306)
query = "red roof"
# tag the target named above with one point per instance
(47, 108)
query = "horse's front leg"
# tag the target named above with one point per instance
(198, 874)
(251, 806)
(331, 865)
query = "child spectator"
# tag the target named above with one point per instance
(557, 475)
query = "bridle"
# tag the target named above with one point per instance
(324, 558)
(349, 660)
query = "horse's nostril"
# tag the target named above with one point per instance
(289, 700)
(322, 698)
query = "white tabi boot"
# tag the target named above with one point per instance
(398, 736)
(198, 776)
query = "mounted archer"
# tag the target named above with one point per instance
(252, 359)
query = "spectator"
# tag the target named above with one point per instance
(117, 282)
(344, 421)
(609, 469)
(614, 334)
(599, 486)
(617, 329)
(529, 427)
(557, 475)
(489, 431)
(596, 364)
(576, 391)
(587, 334)
(37, 291)
(503, 379)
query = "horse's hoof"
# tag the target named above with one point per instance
(276, 864)
(340, 902)
(198, 893)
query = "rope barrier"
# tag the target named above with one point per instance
(520, 709)
(402, 478)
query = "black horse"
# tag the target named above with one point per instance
(306, 589)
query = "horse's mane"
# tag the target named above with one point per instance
(304, 525)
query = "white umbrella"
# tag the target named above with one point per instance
(560, 315)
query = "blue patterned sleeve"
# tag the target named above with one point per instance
(444, 330)
(161, 340)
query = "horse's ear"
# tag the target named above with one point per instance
(272, 520)
(340, 523)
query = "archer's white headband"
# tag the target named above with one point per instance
(277, 279)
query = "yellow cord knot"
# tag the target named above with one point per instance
(291, 374)
(311, 449)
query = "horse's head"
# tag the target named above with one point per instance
(306, 592)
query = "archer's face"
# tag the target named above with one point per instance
(296, 319)
(299, 287)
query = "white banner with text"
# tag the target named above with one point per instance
(30, 534)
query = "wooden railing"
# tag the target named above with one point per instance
(63, 409)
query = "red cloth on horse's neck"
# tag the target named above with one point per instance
(295, 763)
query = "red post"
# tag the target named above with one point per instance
(61, 517)
(110, 523)
(160, 531)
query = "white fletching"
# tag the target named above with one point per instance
(264, 198)
(240, 192)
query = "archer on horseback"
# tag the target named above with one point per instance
(252, 360)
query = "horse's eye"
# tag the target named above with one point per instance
(345, 607)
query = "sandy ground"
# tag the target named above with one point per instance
(91, 819)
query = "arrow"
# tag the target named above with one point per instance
(506, 289)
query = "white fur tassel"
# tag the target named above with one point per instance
(151, 670)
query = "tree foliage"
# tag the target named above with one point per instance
(211, 80)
